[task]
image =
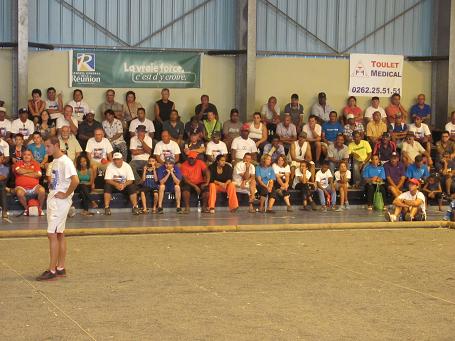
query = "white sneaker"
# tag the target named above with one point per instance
(72, 212)
(390, 217)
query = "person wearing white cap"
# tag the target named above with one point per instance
(351, 126)
(5, 126)
(119, 178)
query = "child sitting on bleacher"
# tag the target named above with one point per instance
(150, 184)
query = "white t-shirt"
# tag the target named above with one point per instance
(267, 113)
(408, 196)
(80, 109)
(120, 175)
(450, 127)
(5, 126)
(298, 175)
(323, 178)
(338, 177)
(62, 169)
(307, 130)
(63, 122)
(216, 149)
(53, 105)
(242, 146)
(98, 150)
(19, 127)
(4, 147)
(239, 170)
(281, 170)
(149, 126)
(166, 150)
(421, 131)
(370, 111)
(136, 144)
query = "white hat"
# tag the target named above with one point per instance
(3, 109)
(117, 156)
(350, 116)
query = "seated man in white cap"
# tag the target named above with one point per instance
(119, 178)
(410, 204)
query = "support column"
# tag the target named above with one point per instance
(245, 65)
(451, 74)
(20, 55)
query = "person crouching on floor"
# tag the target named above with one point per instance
(410, 204)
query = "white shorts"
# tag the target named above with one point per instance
(239, 189)
(57, 212)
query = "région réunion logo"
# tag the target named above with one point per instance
(85, 62)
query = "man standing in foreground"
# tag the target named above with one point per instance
(64, 181)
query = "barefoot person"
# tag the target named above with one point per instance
(61, 189)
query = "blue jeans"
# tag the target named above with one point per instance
(333, 196)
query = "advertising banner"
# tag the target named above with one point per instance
(375, 75)
(132, 69)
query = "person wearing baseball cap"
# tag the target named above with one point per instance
(119, 178)
(196, 179)
(351, 126)
(395, 175)
(87, 127)
(243, 144)
(321, 109)
(410, 205)
(411, 148)
(384, 148)
(22, 125)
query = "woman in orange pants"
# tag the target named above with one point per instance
(221, 181)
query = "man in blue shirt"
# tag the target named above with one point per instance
(373, 176)
(417, 170)
(169, 177)
(332, 128)
(38, 150)
(421, 109)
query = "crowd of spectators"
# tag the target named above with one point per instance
(146, 155)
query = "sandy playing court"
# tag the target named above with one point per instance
(309, 285)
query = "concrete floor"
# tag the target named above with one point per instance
(308, 285)
(123, 218)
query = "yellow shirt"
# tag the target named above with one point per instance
(360, 151)
(375, 130)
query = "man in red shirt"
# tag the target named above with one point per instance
(28, 173)
(196, 178)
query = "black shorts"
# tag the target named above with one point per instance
(130, 189)
(147, 190)
(185, 187)
(263, 192)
